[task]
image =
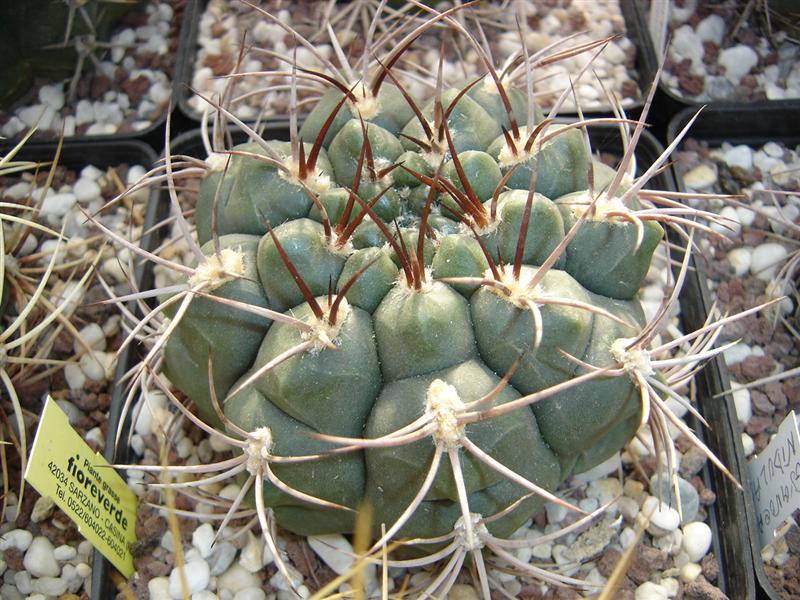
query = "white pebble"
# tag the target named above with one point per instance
(251, 593)
(75, 377)
(740, 156)
(628, 507)
(773, 149)
(20, 539)
(98, 366)
(50, 586)
(83, 570)
(748, 445)
(18, 191)
(690, 572)
(696, 540)
(203, 538)
(93, 336)
(91, 172)
(158, 587)
(737, 353)
(135, 173)
(237, 578)
(737, 60)
(650, 591)
(86, 190)
(741, 401)
(65, 552)
(740, 260)
(22, 580)
(663, 518)
(84, 112)
(732, 226)
(197, 576)
(252, 554)
(711, 29)
(57, 205)
(334, 550)
(52, 95)
(686, 44)
(701, 177)
(39, 560)
(42, 509)
(766, 259)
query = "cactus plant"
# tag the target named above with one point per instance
(430, 310)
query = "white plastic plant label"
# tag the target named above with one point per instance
(775, 474)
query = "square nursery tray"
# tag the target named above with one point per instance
(102, 154)
(134, 86)
(752, 125)
(729, 545)
(669, 101)
(640, 77)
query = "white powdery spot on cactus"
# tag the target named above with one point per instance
(443, 404)
(218, 269)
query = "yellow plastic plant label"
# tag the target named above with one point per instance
(61, 466)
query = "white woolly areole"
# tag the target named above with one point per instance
(259, 446)
(518, 292)
(479, 530)
(489, 86)
(507, 158)
(635, 359)
(443, 404)
(322, 332)
(218, 269)
(317, 181)
(366, 105)
(579, 204)
(408, 288)
(216, 161)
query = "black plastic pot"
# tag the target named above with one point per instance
(76, 155)
(668, 104)
(152, 134)
(726, 516)
(195, 8)
(753, 125)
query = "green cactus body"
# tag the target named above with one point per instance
(423, 329)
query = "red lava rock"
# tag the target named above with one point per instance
(13, 558)
(692, 84)
(756, 367)
(761, 403)
(99, 86)
(757, 424)
(710, 567)
(700, 589)
(645, 561)
(749, 81)
(710, 53)
(136, 88)
(776, 395)
(791, 387)
(707, 497)
(220, 64)
(608, 560)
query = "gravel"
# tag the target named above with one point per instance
(744, 271)
(127, 93)
(730, 51)
(223, 26)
